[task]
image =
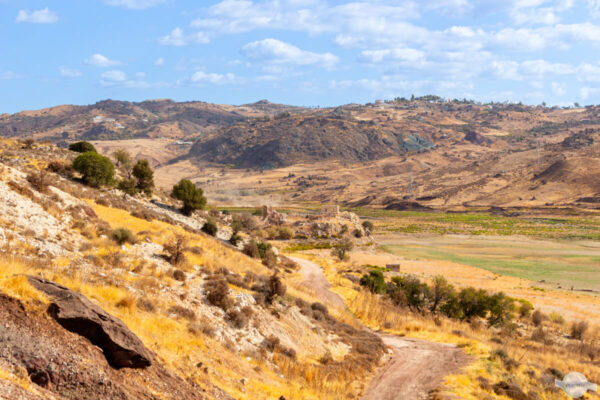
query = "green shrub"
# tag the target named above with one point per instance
(441, 291)
(95, 170)
(374, 281)
(263, 247)
(417, 293)
(368, 226)
(473, 303)
(501, 308)
(123, 235)
(191, 196)
(82, 147)
(128, 185)
(145, 177)
(210, 228)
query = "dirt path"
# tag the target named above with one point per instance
(415, 367)
(315, 280)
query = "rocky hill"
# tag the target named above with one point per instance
(110, 119)
(292, 139)
(106, 296)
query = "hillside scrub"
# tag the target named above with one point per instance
(144, 177)
(192, 197)
(95, 170)
(466, 304)
(82, 147)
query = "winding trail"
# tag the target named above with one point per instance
(415, 367)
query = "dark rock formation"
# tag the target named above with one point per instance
(77, 314)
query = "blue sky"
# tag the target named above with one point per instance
(303, 52)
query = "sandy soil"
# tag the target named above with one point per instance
(415, 367)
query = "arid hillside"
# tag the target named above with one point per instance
(290, 139)
(110, 120)
(399, 155)
(108, 296)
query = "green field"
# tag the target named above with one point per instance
(568, 263)
(532, 224)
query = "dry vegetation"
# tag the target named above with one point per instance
(203, 307)
(520, 359)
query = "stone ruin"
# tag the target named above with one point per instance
(330, 211)
(271, 216)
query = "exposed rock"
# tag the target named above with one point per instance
(77, 314)
(407, 206)
(477, 138)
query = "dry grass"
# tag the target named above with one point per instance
(527, 361)
(167, 332)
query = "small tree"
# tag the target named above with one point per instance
(342, 248)
(441, 291)
(473, 302)
(368, 226)
(145, 177)
(122, 157)
(82, 147)
(191, 196)
(128, 185)
(95, 169)
(501, 309)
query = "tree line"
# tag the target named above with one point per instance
(136, 178)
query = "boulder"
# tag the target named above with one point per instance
(76, 313)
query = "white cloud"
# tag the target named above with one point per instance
(587, 92)
(69, 72)
(116, 78)
(98, 60)
(276, 52)
(201, 77)
(134, 4)
(402, 56)
(237, 16)
(159, 62)
(9, 75)
(44, 16)
(178, 38)
(589, 73)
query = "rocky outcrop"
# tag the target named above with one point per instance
(77, 314)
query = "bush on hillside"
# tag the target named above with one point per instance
(95, 170)
(40, 180)
(342, 248)
(374, 281)
(210, 228)
(128, 185)
(174, 250)
(82, 147)
(251, 249)
(191, 196)
(123, 235)
(368, 226)
(144, 176)
(217, 294)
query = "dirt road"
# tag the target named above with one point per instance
(415, 367)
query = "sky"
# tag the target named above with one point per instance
(301, 52)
